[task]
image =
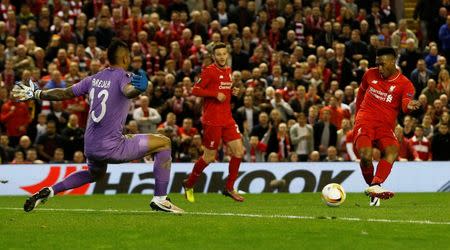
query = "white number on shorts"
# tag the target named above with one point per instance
(104, 95)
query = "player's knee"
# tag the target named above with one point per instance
(208, 158)
(167, 143)
(366, 156)
(238, 153)
(391, 154)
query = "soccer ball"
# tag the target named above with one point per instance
(333, 194)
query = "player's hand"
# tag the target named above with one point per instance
(221, 97)
(236, 91)
(140, 81)
(413, 105)
(22, 92)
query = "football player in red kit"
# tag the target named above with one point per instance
(216, 87)
(382, 93)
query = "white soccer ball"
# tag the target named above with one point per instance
(333, 194)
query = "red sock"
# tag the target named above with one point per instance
(367, 172)
(233, 171)
(200, 164)
(383, 171)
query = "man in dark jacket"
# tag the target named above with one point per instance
(325, 133)
(441, 143)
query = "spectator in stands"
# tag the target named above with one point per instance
(431, 91)
(104, 33)
(48, 142)
(248, 113)
(325, 133)
(341, 67)
(440, 143)
(279, 142)
(58, 115)
(444, 37)
(421, 144)
(409, 57)
(32, 156)
(147, 118)
(425, 11)
(58, 156)
(24, 144)
(132, 127)
(282, 106)
(444, 82)
(16, 118)
(7, 150)
(78, 157)
(314, 156)
(408, 129)
(19, 158)
(73, 136)
(431, 57)
(332, 155)
(56, 81)
(420, 76)
(406, 151)
(401, 35)
(301, 135)
(355, 48)
(263, 126)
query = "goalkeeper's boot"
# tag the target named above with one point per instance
(40, 197)
(165, 205)
(188, 192)
(233, 194)
(379, 192)
(374, 201)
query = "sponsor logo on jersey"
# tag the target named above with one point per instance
(225, 85)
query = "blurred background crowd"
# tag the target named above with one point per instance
(298, 64)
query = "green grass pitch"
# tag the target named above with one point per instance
(263, 221)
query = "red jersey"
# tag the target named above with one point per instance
(422, 147)
(212, 81)
(379, 100)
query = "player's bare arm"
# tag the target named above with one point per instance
(130, 91)
(57, 94)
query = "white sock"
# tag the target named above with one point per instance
(160, 198)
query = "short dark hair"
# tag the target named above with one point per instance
(386, 51)
(114, 46)
(218, 45)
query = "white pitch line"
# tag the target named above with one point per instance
(275, 216)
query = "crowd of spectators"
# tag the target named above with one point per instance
(298, 64)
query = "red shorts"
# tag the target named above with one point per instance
(371, 134)
(213, 134)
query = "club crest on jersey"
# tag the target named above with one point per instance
(391, 89)
(221, 77)
(374, 81)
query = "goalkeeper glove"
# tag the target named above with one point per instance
(140, 81)
(23, 92)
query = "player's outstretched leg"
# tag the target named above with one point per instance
(74, 180)
(237, 151)
(161, 171)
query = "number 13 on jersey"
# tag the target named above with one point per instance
(102, 97)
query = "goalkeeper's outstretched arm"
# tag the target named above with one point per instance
(57, 94)
(24, 92)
